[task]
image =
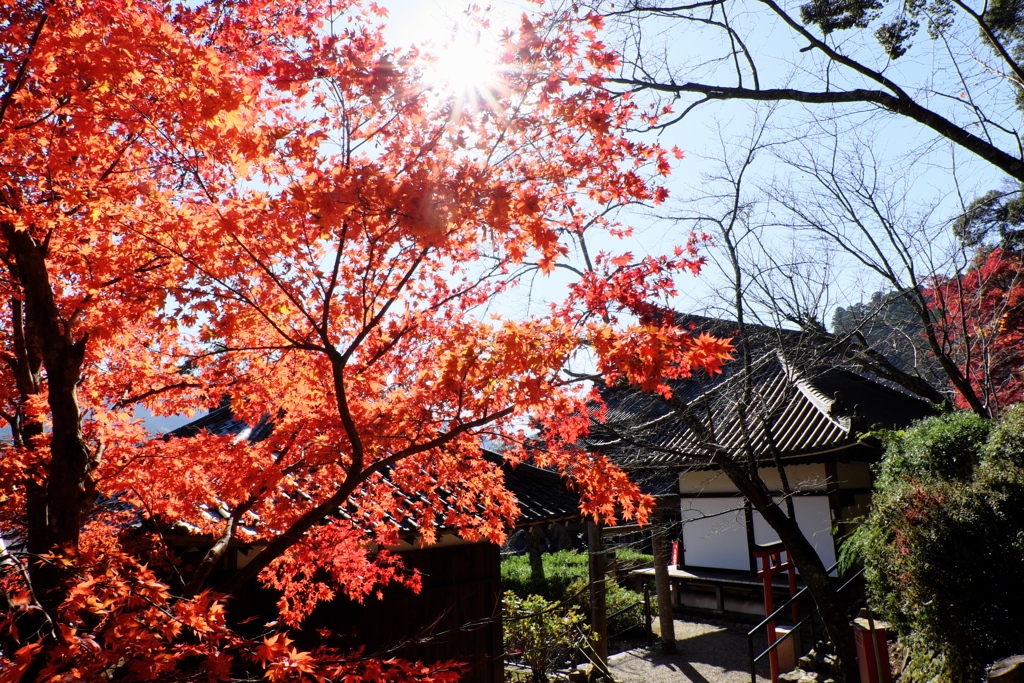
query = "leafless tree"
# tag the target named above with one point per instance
(732, 424)
(962, 83)
(781, 245)
(858, 209)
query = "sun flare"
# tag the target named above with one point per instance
(466, 64)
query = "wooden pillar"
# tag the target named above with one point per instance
(748, 520)
(661, 579)
(598, 594)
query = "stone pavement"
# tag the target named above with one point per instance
(706, 653)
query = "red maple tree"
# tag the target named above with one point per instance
(259, 199)
(979, 318)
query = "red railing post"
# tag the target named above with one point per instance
(771, 563)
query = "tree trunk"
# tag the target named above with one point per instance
(537, 577)
(821, 588)
(806, 559)
(56, 517)
(55, 508)
(661, 579)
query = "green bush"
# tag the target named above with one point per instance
(616, 598)
(561, 570)
(627, 560)
(944, 544)
(943, 448)
(567, 578)
(542, 634)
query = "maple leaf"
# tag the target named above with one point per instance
(183, 234)
(22, 660)
(980, 316)
(273, 648)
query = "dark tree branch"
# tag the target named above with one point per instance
(904, 106)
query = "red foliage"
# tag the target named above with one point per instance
(260, 199)
(980, 319)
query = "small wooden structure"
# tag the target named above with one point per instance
(457, 614)
(808, 420)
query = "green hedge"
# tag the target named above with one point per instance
(944, 544)
(566, 581)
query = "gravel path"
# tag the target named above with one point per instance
(706, 653)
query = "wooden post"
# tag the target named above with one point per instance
(598, 594)
(661, 579)
(648, 621)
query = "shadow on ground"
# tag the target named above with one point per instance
(706, 653)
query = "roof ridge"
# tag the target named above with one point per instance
(829, 407)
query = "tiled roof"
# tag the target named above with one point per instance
(796, 413)
(220, 422)
(542, 495)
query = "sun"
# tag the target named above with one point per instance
(466, 64)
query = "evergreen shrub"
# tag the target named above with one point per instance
(567, 578)
(541, 634)
(943, 545)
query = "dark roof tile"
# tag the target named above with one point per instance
(543, 496)
(798, 412)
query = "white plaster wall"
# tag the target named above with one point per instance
(716, 536)
(810, 477)
(815, 518)
(705, 482)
